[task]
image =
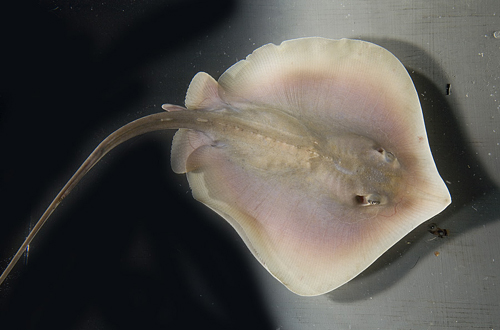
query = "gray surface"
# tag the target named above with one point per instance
(440, 42)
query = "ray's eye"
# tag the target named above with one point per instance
(367, 200)
(389, 156)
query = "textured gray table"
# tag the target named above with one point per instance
(77, 72)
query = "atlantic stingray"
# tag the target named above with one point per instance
(315, 151)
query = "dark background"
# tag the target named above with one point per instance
(130, 248)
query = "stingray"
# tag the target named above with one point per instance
(315, 151)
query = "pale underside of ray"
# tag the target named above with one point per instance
(274, 148)
(288, 214)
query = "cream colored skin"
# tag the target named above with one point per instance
(318, 189)
(359, 171)
(294, 150)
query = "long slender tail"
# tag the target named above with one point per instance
(155, 122)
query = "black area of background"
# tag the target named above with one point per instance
(129, 249)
